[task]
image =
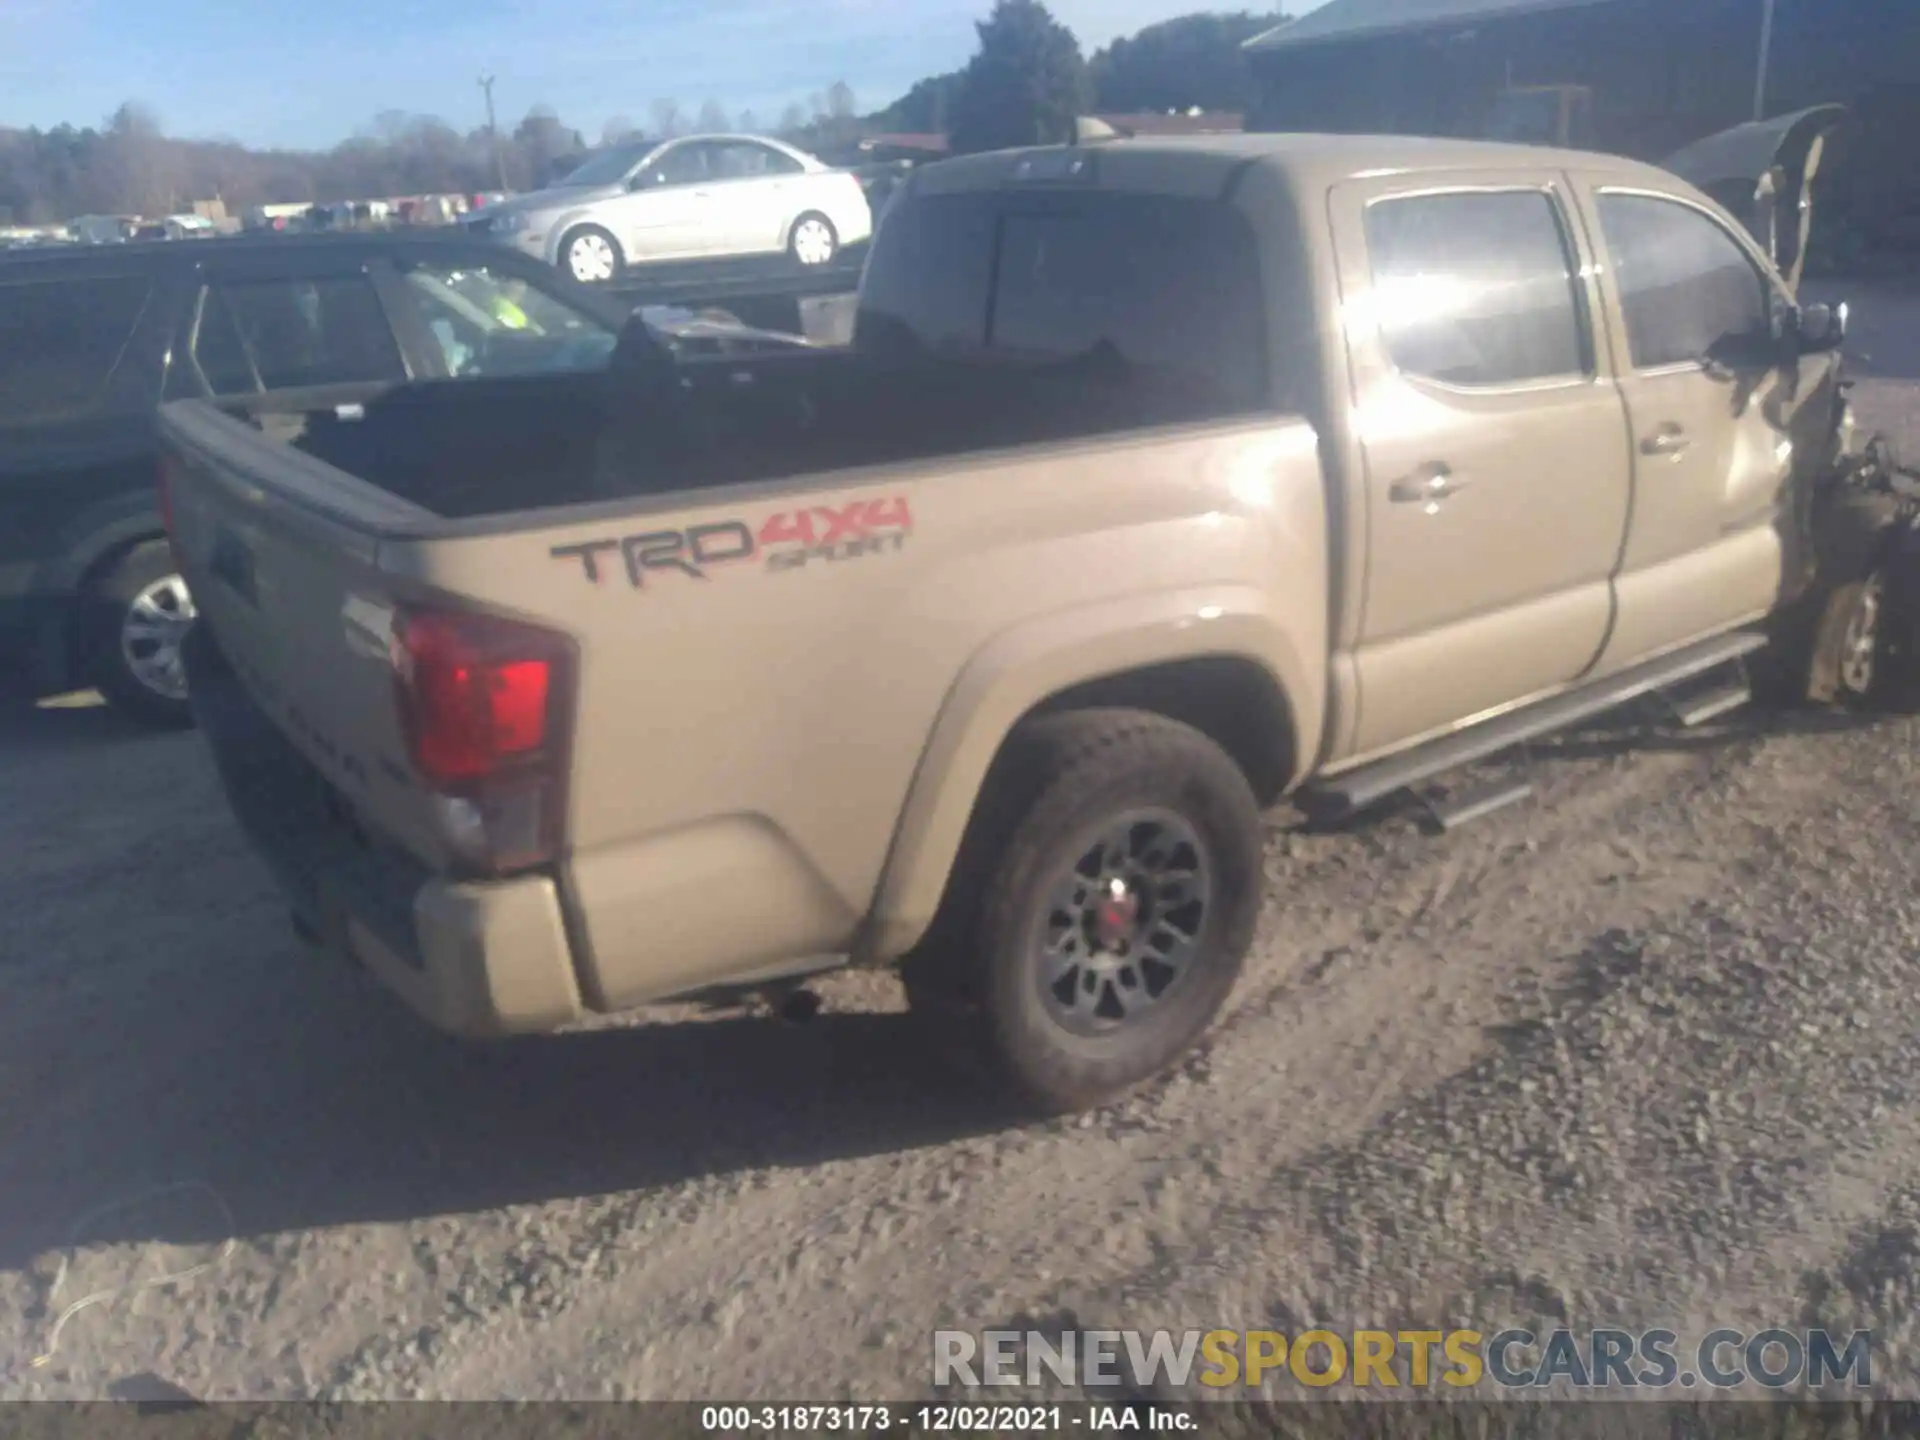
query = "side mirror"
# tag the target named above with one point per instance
(1822, 328)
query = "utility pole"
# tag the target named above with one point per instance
(1766, 56)
(493, 130)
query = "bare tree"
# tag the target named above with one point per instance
(793, 119)
(667, 121)
(748, 122)
(547, 147)
(142, 172)
(713, 118)
(619, 128)
(840, 101)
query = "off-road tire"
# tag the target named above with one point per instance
(1061, 778)
(104, 607)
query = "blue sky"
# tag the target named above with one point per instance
(312, 74)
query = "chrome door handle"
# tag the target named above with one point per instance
(1427, 485)
(1669, 440)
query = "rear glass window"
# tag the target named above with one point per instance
(285, 334)
(61, 342)
(1126, 310)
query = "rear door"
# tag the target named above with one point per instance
(1497, 479)
(755, 195)
(1713, 538)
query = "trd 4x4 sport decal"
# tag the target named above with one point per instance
(789, 540)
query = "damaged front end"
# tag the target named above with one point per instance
(1763, 173)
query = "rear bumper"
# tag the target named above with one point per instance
(477, 959)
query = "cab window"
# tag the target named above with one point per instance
(1477, 288)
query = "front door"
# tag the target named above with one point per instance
(1496, 471)
(1715, 537)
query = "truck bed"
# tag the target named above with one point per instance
(473, 448)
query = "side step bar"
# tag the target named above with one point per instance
(1346, 795)
(1712, 704)
(1478, 804)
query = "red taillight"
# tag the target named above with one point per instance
(484, 703)
(478, 693)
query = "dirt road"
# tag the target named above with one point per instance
(1641, 1051)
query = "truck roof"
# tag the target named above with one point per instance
(1200, 163)
(134, 254)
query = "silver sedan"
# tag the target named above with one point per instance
(704, 197)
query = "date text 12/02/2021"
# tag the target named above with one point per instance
(919, 1419)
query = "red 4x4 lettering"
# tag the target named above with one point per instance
(891, 514)
(789, 527)
(848, 523)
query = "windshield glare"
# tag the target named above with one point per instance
(607, 167)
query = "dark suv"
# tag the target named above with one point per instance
(91, 339)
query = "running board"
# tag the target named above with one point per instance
(1712, 704)
(1478, 804)
(1346, 795)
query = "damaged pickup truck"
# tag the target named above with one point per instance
(1163, 479)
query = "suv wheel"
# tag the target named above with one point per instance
(1117, 910)
(590, 255)
(137, 614)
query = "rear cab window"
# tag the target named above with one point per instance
(1105, 310)
(65, 348)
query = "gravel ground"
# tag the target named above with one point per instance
(1638, 1052)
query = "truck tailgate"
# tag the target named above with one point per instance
(282, 554)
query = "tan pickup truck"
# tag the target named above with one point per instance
(1163, 479)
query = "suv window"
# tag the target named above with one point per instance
(283, 334)
(60, 343)
(1476, 288)
(1685, 284)
(487, 322)
(1128, 310)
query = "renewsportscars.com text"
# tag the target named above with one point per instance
(1515, 1359)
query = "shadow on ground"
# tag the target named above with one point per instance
(342, 1110)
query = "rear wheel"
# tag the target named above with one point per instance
(591, 255)
(1104, 906)
(814, 241)
(136, 615)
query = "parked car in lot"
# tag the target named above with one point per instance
(92, 340)
(703, 197)
(1163, 478)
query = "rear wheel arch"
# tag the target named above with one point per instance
(1235, 697)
